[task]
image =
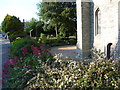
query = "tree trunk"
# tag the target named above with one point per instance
(56, 31)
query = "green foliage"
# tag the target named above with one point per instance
(66, 74)
(16, 34)
(50, 41)
(48, 29)
(60, 41)
(29, 25)
(0, 28)
(99, 74)
(54, 41)
(21, 43)
(35, 26)
(11, 24)
(43, 38)
(58, 17)
(21, 69)
(72, 41)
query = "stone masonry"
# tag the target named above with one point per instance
(83, 26)
(109, 23)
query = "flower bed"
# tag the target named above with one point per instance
(17, 65)
(34, 67)
(37, 73)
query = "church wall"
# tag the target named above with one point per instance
(79, 29)
(86, 29)
(109, 25)
(83, 29)
(118, 44)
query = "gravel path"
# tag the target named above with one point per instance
(68, 51)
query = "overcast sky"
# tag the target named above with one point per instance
(24, 9)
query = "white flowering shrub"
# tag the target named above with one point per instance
(101, 73)
(64, 74)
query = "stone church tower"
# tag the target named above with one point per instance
(98, 26)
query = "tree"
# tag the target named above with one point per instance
(31, 25)
(12, 24)
(60, 15)
(35, 26)
(0, 28)
(48, 29)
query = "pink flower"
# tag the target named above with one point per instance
(41, 47)
(24, 51)
(27, 67)
(36, 51)
(20, 58)
(5, 66)
(32, 46)
(12, 62)
(42, 53)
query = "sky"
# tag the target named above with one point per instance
(24, 9)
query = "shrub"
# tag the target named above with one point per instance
(16, 72)
(73, 74)
(72, 41)
(99, 74)
(21, 43)
(59, 41)
(43, 38)
(16, 34)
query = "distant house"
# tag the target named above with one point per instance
(98, 26)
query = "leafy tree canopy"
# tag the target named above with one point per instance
(35, 26)
(12, 24)
(60, 15)
(29, 25)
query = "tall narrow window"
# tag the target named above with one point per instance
(109, 50)
(97, 22)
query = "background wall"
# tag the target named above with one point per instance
(109, 25)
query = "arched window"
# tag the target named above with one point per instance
(109, 50)
(97, 22)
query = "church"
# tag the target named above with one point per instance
(98, 27)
